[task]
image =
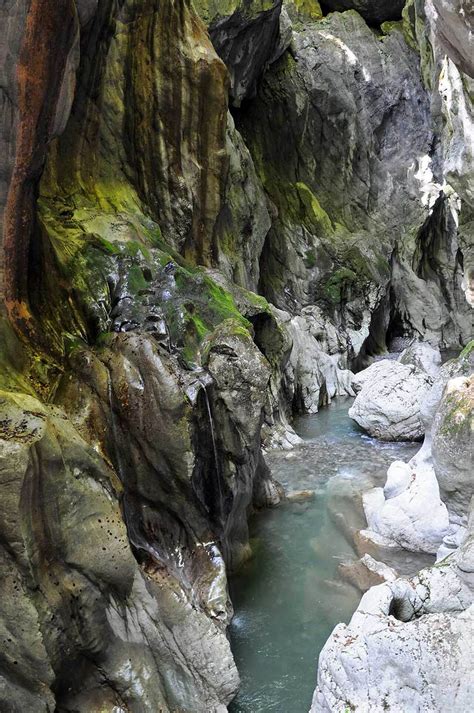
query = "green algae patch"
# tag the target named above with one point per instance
(22, 369)
(212, 10)
(458, 409)
(313, 211)
(339, 284)
(197, 307)
(303, 11)
(468, 350)
(390, 25)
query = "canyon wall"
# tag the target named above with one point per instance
(208, 214)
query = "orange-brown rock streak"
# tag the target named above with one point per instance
(51, 28)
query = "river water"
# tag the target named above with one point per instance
(289, 596)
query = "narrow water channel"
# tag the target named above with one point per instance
(289, 596)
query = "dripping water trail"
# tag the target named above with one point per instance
(115, 432)
(216, 455)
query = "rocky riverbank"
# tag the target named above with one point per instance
(212, 216)
(408, 645)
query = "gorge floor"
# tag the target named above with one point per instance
(289, 596)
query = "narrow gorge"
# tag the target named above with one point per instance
(236, 356)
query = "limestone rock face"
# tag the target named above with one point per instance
(317, 377)
(339, 232)
(244, 219)
(139, 374)
(453, 444)
(208, 455)
(36, 97)
(247, 39)
(406, 647)
(95, 624)
(454, 31)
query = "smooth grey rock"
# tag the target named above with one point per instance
(453, 23)
(71, 576)
(317, 376)
(388, 404)
(411, 516)
(244, 220)
(422, 356)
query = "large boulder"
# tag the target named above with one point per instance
(388, 403)
(407, 647)
(410, 511)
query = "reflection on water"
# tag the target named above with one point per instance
(289, 597)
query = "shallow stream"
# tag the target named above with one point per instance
(289, 596)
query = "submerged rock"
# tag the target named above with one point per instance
(366, 572)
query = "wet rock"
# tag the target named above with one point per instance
(366, 573)
(300, 496)
(240, 374)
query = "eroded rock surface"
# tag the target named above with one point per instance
(406, 647)
(97, 629)
(136, 213)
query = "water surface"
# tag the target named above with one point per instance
(289, 597)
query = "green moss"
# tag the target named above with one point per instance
(136, 279)
(303, 11)
(339, 283)
(388, 27)
(458, 415)
(212, 10)
(467, 351)
(310, 259)
(314, 213)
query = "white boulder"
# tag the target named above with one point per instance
(407, 648)
(389, 401)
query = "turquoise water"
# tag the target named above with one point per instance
(289, 597)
